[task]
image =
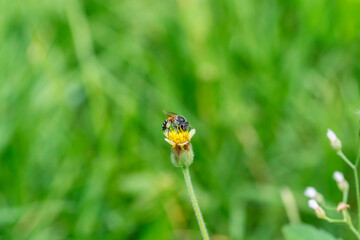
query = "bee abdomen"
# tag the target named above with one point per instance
(164, 125)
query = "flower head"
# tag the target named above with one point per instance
(338, 176)
(343, 185)
(182, 154)
(179, 137)
(313, 204)
(310, 192)
(334, 140)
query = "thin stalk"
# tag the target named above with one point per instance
(354, 231)
(331, 220)
(346, 220)
(341, 154)
(345, 196)
(357, 185)
(349, 223)
(356, 177)
(195, 204)
(357, 195)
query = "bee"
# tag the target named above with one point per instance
(176, 120)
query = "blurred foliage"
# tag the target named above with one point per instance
(305, 232)
(83, 85)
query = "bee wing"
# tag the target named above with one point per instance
(170, 114)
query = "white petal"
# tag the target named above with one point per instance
(331, 135)
(166, 133)
(313, 204)
(170, 142)
(182, 144)
(192, 133)
(338, 176)
(310, 192)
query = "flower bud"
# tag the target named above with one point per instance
(343, 185)
(334, 140)
(182, 156)
(311, 192)
(338, 176)
(320, 213)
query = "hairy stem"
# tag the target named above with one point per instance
(195, 204)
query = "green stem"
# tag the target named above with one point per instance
(341, 154)
(356, 177)
(345, 196)
(357, 186)
(357, 195)
(357, 158)
(195, 203)
(331, 220)
(354, 231)
(346, 220)
(349, 223)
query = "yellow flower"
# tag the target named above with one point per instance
(182, 154)
(179, 138)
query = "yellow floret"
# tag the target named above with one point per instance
(178, 137)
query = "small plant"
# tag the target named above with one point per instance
(317, 202)
(176, 130)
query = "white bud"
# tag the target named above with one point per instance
(310, 192)
(343, 185)
(334, 140)
(338, 176)
(313, 204)
(320, 213)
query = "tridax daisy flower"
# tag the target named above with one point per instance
(182, 154)
(176, 130)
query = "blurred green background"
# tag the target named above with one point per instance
(83, 86)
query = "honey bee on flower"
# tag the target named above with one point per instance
(178, 135)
